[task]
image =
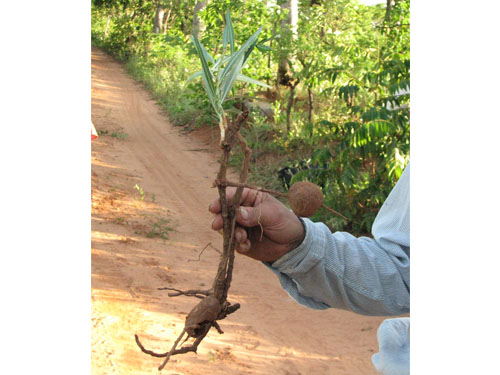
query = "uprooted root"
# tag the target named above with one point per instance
(214, 305)
(198, 322)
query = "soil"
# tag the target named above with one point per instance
(151, 187)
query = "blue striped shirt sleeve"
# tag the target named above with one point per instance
(369, 276)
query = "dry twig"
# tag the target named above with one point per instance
(201, 252)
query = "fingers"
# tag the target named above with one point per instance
(243, 244)
(248, 198)
(243, 247)
(239, 232)
(217, 222)
(249, 216)
(215, 207)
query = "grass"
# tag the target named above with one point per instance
(166, 81)
(160, 229)
(141, 191)
(119, 135)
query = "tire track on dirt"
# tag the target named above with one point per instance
(164, 157)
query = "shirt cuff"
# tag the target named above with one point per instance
(306, 255)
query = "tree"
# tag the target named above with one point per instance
(197, 24)
(388, 9)
(289, 12)
(158, 21)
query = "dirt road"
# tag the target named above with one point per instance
(151, 187)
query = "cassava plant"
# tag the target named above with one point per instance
(218, 80)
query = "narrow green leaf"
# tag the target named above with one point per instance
(206, 54)
(235, 57)
(228, 35)
(207, 77)
(220, 61)
(275, 36)
(263, 48)
(244, 78)
(233, 68)
(195, 75)
(249, 51)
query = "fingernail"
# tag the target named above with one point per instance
(238, 236)
(244, 247)
(209, 206)
(243, 213)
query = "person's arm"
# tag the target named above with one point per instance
(320, 269)
(364, 275)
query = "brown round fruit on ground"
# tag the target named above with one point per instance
(305, 198)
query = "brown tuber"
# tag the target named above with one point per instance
(207, 310)
(305, 198)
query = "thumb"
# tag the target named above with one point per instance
(249, 216)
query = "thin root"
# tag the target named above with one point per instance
(260, 225)
(189, 293)
(172, 350)
(201, 252)
(335, 212)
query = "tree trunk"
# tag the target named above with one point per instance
(388, 10)
(165, 21)
(289, 110)
(289, 107)
(197, 24)
(289, 24)
(107, 26)
(160, 11)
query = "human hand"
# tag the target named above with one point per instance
(266, 229)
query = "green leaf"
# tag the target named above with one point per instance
(275, 36)
(208, 78)
(195, 75)
(249, 45)
(230, 74)
(244, 78)
(263, 48)
(235, 58)
(249, 51)
(220, 61)
(207, 55)
(228, 35)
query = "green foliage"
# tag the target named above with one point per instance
(141, 192)
(220, 78)
(160, 229)
(350, 111)
(119, 135)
